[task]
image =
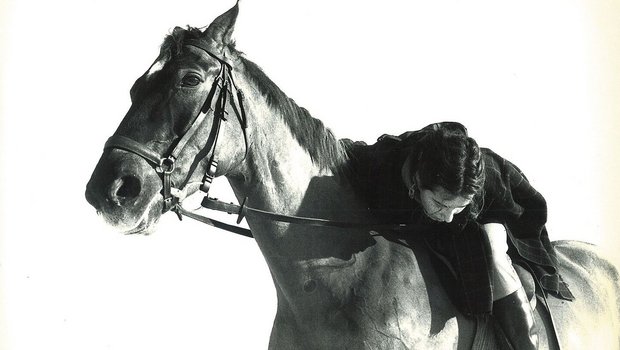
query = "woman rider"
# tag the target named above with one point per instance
(472, 207)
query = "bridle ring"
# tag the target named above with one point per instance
(166, 165)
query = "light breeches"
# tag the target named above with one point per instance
(505, 278)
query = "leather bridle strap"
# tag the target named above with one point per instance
(220, 112)
(127, 144)
(166, 165)
(215, 223)
(223, 83)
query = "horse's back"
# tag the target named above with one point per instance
(592, 320)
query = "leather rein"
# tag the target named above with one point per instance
(223, 87)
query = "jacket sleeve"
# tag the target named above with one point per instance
(511, 199)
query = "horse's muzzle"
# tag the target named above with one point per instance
(125, 190)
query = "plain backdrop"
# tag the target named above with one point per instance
(537, 81)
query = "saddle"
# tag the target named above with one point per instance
(446, 271)
(527, 280)
(532, 287)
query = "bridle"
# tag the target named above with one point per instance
(222, 87)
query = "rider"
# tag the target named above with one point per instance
(473, 208)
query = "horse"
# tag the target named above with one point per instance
(203, 110)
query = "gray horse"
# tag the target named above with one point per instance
(337, 288)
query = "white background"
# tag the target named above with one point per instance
(537, 81)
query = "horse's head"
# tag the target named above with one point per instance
(186, 117)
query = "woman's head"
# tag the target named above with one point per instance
(447, 169)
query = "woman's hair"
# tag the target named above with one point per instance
(447, 157)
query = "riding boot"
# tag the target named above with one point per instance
(515, 318)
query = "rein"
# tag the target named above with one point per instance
(223, 87)
(244, 211)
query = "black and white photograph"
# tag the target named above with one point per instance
(309, 175)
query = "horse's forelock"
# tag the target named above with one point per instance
(173, 42)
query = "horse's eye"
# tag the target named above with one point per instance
(191, 80)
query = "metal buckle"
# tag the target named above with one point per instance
(166, 165)
(209, 176)
(206, 184)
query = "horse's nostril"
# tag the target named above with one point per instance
(129, 188)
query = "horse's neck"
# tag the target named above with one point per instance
(278, 171)
(280, 176)
(315, 268)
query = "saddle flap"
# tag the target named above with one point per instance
(527, 280)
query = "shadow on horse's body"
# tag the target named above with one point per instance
(337, 288)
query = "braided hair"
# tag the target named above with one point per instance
(448, 157)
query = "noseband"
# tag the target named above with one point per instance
(223, 87)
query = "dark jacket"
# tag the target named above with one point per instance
(507, 198)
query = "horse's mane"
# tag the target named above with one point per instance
(320, 143)
(324, 149)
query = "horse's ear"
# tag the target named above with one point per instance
(221, 29)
